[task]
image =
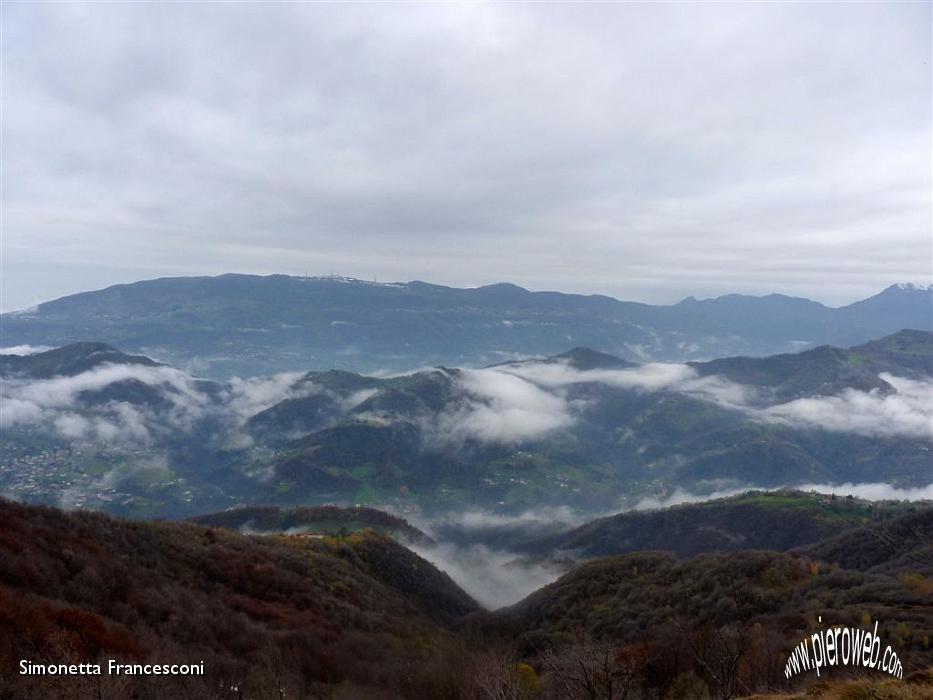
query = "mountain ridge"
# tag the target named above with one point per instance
(581, 428)
(249, 324)
(774, 520)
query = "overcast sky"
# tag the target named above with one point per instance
(647, 151)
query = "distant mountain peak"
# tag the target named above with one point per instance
(587, 358)
(506, 288)
(341, 279)
(69, 360)
(757, 300)
(915, 300)
(910, 287)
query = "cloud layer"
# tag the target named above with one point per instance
(56, 401)
(501, 407)
(530, 401)
(497, 577)
(494, 578)
(513, 403)
(909, 412)
(24, 349)
(61, 404)
(616, 148)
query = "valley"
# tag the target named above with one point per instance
(396, 350)
(667, 529)
(354, 614)
(89, 426)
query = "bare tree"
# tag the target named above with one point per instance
(590, 670)
(500, 675)
(718, 649)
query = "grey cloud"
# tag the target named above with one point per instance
(15, 410)
(126, 425)
(874, 491)
(493, 577)
(244, 398)
(512, 403)
(528, 401)
(497, 577)
(908, 412)
(247, 397)
(682, 496)
(868, 491)
(499, 407)
(25, 349)
(53, 402)
(652, 376)
(482, 520)
(565, 517)
(392, 139)
(357, 397)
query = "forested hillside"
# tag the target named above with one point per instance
(261, 612)
(777, 520)
(359, 616)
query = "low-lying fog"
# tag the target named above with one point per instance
(473, 546)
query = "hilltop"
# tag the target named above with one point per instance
(778, 520)
(83, 586)
(736, 614)
(319, 520)
(68, 361)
